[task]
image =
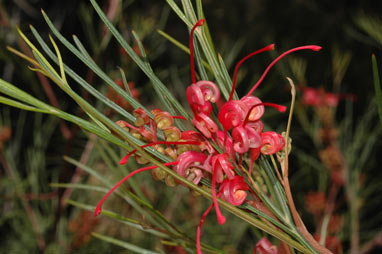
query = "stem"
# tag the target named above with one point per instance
(296, 217)
(328, 212)
(299, 223)
(354, 207)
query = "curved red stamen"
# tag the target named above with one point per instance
(280, 108)
(199, 23)
(219, 215)
(199, 251)
(311, 47)
(126, 124)
(179, 117)
(267, 48)
(198, 232)
(124, 160)
(99, 206)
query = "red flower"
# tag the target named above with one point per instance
(211, 150)
(264, 247)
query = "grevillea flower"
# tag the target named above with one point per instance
(225, 141)
(241, 141)
(222, 166)
(190, 165)
(172, 133)
(141, 117)
(209, 90)
(208, 151)
(163, 120)
(319, 97)
(205, 125)
(254, 113)
(263, 246)
(331, 99)
(272, 142)
(258, 126)
(234, 190)
(311, 97)
(232, 114)
(254, 137)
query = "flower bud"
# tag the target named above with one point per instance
(172, 133)
(141, 117)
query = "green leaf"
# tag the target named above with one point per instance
(153, 78)
(97, 70)
(83, 83)
(79, 186)
(377, 86)
(227, 78)
(125, 84)
(123, 244)
(20, 105)
(20, 95)
(179, 12)
(130, 222)
(181, 46)
(162, 97)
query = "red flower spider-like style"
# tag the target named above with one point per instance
(210, 153)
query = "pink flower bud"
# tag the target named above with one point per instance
(163, 120)
(225, 140)
(210, 90)
(232, 114)
(195, 95)
(254, 138)
(311, 97)
(258, 126)
(234, 190)
(256, 112)
(265, 247)
(190, 164)
(141, 117)
(206, 108)
(221, 165)
(331, 99)
(205, 125)
(272, 142)
(254, 153)
(172, 133)
(240, 137)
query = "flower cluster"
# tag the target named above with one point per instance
(219, 154)
(318, 97)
